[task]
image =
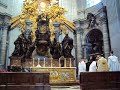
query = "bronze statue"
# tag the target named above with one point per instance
(67, 46)
(30, 50)
(22, 45)
(55, 49)
(18, 51)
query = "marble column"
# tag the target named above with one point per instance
(78, 48)
(75, 47)
(4, 41)
(79, 43)
(57, 30)
(105, 33)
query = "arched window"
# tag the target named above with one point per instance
(90, 3)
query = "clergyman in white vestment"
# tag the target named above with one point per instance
(81, 66)
(93, 67)
(113, 62)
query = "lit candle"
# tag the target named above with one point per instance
(44, 62)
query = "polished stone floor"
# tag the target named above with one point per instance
(65, 87)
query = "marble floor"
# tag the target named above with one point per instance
(65, 87)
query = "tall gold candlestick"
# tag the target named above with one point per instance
(38, 61)
(33, 62)
(70, 62)
(44, 63)
(65, 62)
(51, 62)
(59, 63)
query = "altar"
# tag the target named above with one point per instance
(58, 75)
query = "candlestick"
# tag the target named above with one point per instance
(65, 62)
(38, 61)
(44, 62)
(51, 62)
(70, 62)
(59, 63)
(33, 62)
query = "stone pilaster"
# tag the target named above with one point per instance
(105, 33)
(4, 41)
(75, 47)
(79, 43)
(57, 30)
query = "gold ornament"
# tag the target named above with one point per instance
(31, 10)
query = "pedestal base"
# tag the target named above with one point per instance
(15, 61)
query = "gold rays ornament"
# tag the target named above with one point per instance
(32, 8)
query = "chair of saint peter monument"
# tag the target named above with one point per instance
(37, 48)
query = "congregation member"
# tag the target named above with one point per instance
(102, 64)
(113, 62)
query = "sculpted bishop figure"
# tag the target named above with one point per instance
(67, 46)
